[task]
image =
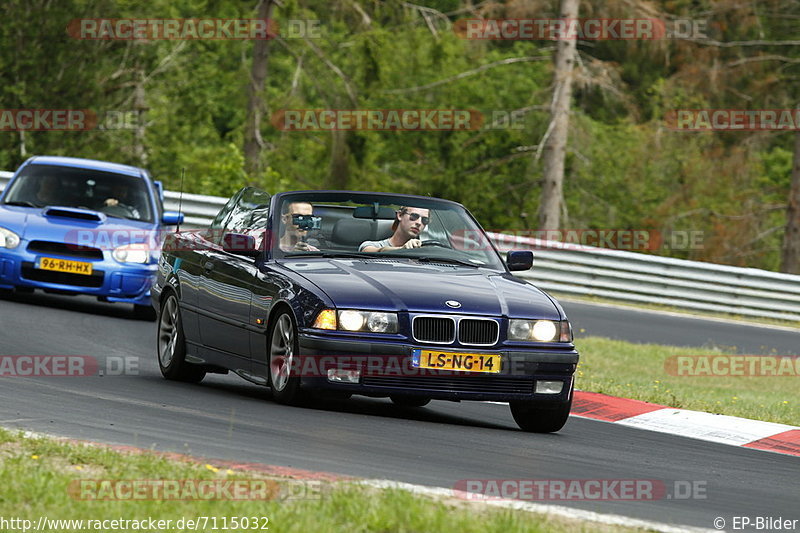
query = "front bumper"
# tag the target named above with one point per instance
(110, 280)
(385, 370)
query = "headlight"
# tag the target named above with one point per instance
(8, 239)
(132, 253)
(355, 320)
(539, 330)
(373, 321)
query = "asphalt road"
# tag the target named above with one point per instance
(228, 418)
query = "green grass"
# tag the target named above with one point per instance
(637, 371)
(37, 472)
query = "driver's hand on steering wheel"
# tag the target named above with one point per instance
(413, 243)
(111, 202)
(305, 247)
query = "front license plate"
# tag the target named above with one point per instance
(64, 265)
(467, 362)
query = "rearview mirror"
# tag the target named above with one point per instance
(239, 243)
(519, 260)
(374, 212)
(172, 218)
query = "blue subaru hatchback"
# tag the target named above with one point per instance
(80, 226)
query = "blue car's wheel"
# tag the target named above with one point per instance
(283, 347)
(172, 345)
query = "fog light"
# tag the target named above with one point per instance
(549, 387)
(339, 375)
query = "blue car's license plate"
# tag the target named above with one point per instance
(467, 362)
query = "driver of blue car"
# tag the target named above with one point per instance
(409, 223)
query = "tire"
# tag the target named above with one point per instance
(410, 401)
(144, 312)
(171, 343)
(282, 346)
(537, 417)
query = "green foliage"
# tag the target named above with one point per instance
(625, 169)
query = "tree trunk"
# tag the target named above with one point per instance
(340, 160)
(552, 197)
(790, 261)
(255, 97)
(140, 106)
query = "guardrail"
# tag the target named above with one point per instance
(615, 274)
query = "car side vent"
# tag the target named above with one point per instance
(441, 330)
(69, 213)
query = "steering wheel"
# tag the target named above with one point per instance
(119, 210)
(435, 243)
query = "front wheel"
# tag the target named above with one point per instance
(172, 345)
(537, 417)
(283, 348)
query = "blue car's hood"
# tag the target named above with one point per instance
(105, 233)
(407, 285)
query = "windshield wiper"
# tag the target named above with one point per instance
(449, 260)
(22, 203)
(329, 254)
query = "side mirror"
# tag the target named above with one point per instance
(519, 260)
(160, 188)
(172, 218)
(239, 243)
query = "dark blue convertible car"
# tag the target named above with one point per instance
(80, 226)
(384, 295)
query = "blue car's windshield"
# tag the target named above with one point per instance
(116, 195)
(374, 225)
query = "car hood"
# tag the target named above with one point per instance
(424, 288)
(106, 233)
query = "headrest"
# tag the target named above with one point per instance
(352, 232)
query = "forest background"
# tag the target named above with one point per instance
(207, 105)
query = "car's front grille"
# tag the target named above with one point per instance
(472, 331)
(440, 330)
(60, 248)
(29, 272)
(467, 383)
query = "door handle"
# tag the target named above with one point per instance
(208, 265)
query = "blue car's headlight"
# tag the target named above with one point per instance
(355, 320)
(8, 239)
(539, 330)
(131, 253)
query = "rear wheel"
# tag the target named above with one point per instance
(410, 401)
(538, 417)
(172, 345)
(283, 348)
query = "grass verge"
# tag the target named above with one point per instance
(638, 371)
(37, 473)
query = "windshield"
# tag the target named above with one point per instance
(116, 195)
(380, 226)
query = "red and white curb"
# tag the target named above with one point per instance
(723, 429)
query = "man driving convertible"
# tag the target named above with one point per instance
(408, 225)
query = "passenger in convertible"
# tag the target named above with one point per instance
(295, 230)
(409, 223)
